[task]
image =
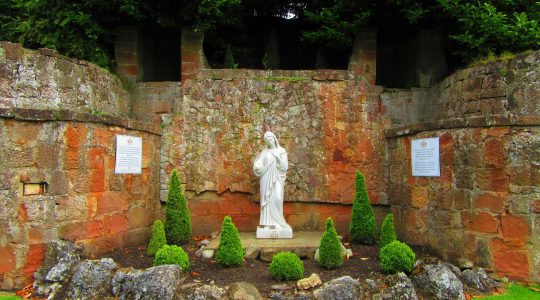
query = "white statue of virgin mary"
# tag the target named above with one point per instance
(271, 166)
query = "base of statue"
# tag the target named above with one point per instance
(271, 232)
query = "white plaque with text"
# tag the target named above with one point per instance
(425, 157)
(128, 155)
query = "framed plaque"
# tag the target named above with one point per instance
(128, 155)
(425, 157)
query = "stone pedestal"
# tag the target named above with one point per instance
(271, 232)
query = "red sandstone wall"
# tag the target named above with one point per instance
(85, 202)
(485, 205)
(327, 121)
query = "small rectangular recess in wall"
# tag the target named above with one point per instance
(34, 188)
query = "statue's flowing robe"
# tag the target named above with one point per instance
(272, 175)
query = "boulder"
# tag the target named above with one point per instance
(310, 282)
(207, 292)
(91, 279)
(251, 252)
(60, 258)
(437, 281)
(207, 253)
(487, 282)
(343, 288)
(464, 264)
(371, 285)
(160, 282)
(267, 254)
(399, 287)
(470, 278)
(453, 268)
(243, 291)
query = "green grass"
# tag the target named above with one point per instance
(10, 297)
(517, 292)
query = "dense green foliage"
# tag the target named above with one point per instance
(517, 292)
(177, 217)
(74, 28)
(494, 26)
(397, 257)
(388, 232)
(85, 29)
(363, 228)
(229, 251)
(336, 22)
(158, 239)
(330, 252)
(172, 255)
(286, 266)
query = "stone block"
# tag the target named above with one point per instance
(480, 222)
(515, 228)
(510, 261)
(492, 202)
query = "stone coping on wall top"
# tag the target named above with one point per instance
(24, 114)
(277, 75)
(468, 122)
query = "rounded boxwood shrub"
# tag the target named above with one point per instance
(388, 233)
(177, 218)
(397, 257)
(286, 266)
(330, 252)
(229, 251)
(172, 255)
(158, 239)
(362, 227)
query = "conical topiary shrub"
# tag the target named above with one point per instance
(229, 251)
(363, 228)
(330, 252)
(158, 239)
(177, 218)
(388, 233)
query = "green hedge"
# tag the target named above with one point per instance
(158, 239)
(330, 252)
(172, 255)
(177, 218)
(363, 228)
(229, 251)
(286, 266)
(388, 232)
(397, 257)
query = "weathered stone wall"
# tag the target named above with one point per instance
(84, 202)
(157, 98)
(58, 122)
(507, 88)
(45, 80)
(327, 121)
(485, 205)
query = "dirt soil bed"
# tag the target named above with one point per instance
(364, 264)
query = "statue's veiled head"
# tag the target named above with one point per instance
(271, 140)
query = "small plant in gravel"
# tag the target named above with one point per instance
(286, 266)
(177, 218)
(363, 228)
(330, 252)
(172, 255)
(158, 239)
(397, 257)
(388, 232)
(229, 251)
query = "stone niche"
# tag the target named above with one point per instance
(327, 120)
